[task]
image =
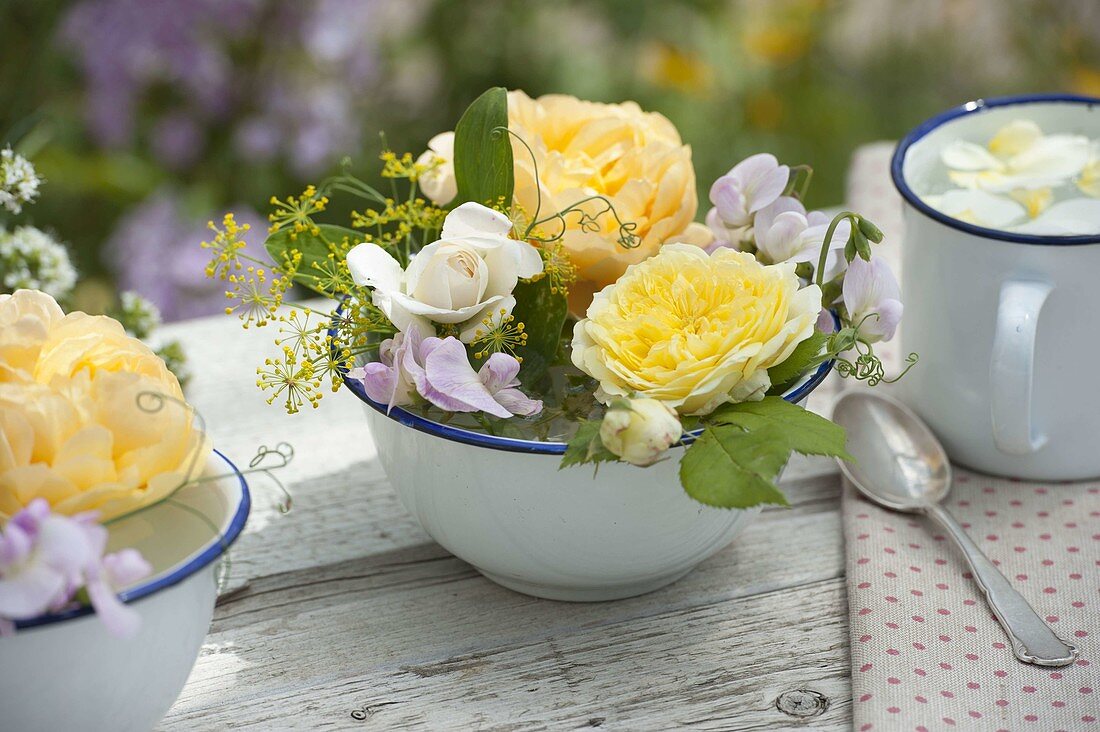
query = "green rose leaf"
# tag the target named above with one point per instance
(543, 314)
(735, 461)
(315, 249)
(483, 153)
(730, 468)
(802, 358)
(586, 446)
(801, 430)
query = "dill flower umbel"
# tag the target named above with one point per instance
(18, 181)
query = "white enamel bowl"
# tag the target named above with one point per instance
(64, 672)
(502, 505)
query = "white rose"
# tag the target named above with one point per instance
(464, 278)
(439, 184)
(641, 433)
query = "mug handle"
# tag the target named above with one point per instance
(1012, 367)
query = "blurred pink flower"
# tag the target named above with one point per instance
(46, 557)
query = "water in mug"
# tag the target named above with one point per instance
(1021, 178)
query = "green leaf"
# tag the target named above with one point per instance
(799, 429)
(543, 314)
(586, 446)
(314, 248)
(730, 468)
(802, 358)
(483, 153)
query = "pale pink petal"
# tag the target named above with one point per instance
(121, 621)
(31, 591)
(516, 402)
(125, 567)
(499, 372)
(729, 201)
(452, 384)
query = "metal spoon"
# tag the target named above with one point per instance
(899, 464)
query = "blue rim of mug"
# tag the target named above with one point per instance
(897, 164)
(531, 447)
(204, 557)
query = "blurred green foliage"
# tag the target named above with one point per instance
(809, 80)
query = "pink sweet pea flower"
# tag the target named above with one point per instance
(440, 371)
(748, 187)
(45, 558)
(872, 295)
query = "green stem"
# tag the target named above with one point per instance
(819, 274)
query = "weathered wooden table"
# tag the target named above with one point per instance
(345, 615)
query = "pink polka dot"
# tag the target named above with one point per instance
(914, 546)
(945, 638)
(865, 611)
(888, 550)
(866, 667)
(921, 699)
(893, 680)
(1049, 590)
(1056, 676)
(948, 721)
(1088, 718)
(863, 585)
(1085, 690)
(973, 685)
(1058, 704)
(865, 697)
(1017, 525)
(1001, 702)
(1030, 718)
(1015, 503)
(918, 619)
(893, 652)
(866, 727)
(970, 629)
(864, 638)
(916, 593)
(969, 602)
(861, 537)
(1080, 633)
(944, 611)
(914, 569)
(1082, 662)
(1072, 549)
(998, 645)
(893, 710)
(1021, 577)
(1000, 674)
(1052, 618)
(892, 626)
(972, 657)
(975, 715)
(1077, 603)
(991, 537)
(941, 562)
(1019, 549)
(920, 672)
(947, 694)
(941, 586)
(945, 666)
(1029, 689)
(891, 598)
(919, 646)
(1074, 576)
(862, 560)
(1048, 563)
(891, 575)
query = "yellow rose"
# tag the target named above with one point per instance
(82, 421)
(635, 159)
(694, 330)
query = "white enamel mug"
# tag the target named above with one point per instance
(1007, 325)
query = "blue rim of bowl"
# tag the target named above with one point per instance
(177, 575)
(530, 447)
(897, 164)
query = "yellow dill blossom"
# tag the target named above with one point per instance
(225, 247)
(256, 301)
(291, 378)
(557, 267)
(403, 166)
(500, 335)
(295, 213)
(694, 330)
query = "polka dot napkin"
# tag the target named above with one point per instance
(927, 653)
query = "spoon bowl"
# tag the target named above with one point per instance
(898, 461)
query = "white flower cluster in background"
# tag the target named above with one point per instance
(18, 181)
(1024, 181)
(31, 259)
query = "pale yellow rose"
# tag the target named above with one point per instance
(694, 330)
(635, 159)
(89, 423)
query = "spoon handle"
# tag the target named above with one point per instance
(1032, 639)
